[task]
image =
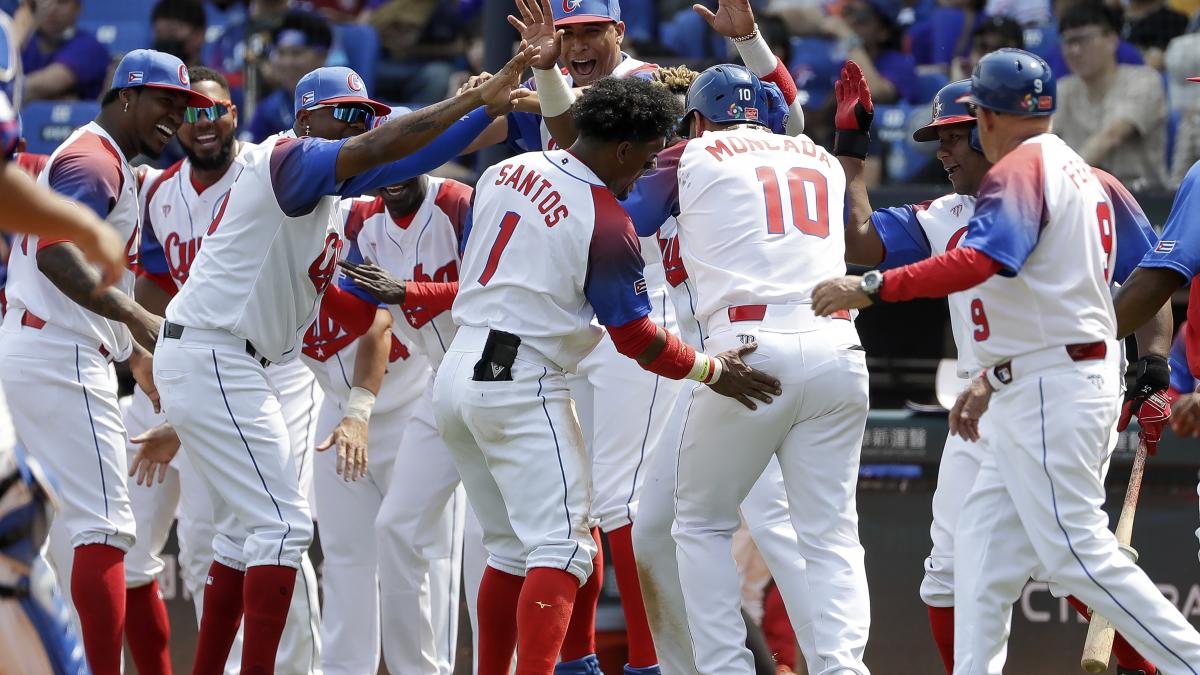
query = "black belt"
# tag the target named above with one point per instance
(174, 331)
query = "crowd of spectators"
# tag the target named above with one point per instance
(1122, 64)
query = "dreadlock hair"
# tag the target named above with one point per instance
(626, 109)
(677, 80)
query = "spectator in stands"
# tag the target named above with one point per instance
(871, 37)
(1029, 13)
(61, 61)
(1113, 115)
(337, 11)
(299, 45)
(1127, 54)
(1183, 61)
(1150, 25)
(996, 32)
(179, 27)
(944, 35)
(421, 41)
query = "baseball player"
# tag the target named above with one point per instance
(889, 238)
(501, 398)
(60, 336)
(253, 289)
(414, 230)
(178, 204)
(753, 286)
(1036, 263)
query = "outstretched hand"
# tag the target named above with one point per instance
(350, 437)
(501, 91)
(733, 19)
(536, 27)
(156, 448)
(855, 110)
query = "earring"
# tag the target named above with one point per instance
(126, 106)
(307, 130)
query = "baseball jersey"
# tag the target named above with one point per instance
(422, 246)
(917, 231)
(549, 248)
(1044, 216)
(680, 289)
(777, 244)
(1179, 247)
(272, 248)
(89, 168)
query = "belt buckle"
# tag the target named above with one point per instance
(262, 360)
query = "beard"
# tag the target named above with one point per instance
(217, 161)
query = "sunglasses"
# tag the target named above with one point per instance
(214, 112)
(350, 113)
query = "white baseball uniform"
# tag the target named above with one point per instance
(1044, 330)
(414, 538)
(754, 270)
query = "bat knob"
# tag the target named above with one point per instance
(1129, 551)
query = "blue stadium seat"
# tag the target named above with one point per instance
(688, 36)
(1041, 40)
(928, 85)
(355, 46)
(120, 36)
(46, 124)
(108, 11)
(816, 64)
(902, 156)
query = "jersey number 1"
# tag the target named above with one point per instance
(802, 182)
(508, 225)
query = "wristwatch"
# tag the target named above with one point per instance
(871, 284)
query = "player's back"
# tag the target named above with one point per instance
(527, 268)
(760, 217)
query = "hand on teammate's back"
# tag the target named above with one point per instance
(536, 27)
(377, 281)
(350, 437)
(740, 381)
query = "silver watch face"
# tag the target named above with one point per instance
(871, 282)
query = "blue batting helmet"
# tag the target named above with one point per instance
(729, 93)
(947, 110)
(1013, 81)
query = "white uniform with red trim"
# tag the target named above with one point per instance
(419, 528)
(57, 373)
(1045, 332)
(754, 270)
(177, 215)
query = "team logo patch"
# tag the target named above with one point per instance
(571, 5)
(639, 286)
(135, 77)
(937, 107)
(355, 82)
(734, 110)
(1045, 102)
(747, 339)
(308, 97)
(1165, 246)
(1029, 103)
(166, 210)
(1003, 372)
(752, 114)
(183, 75)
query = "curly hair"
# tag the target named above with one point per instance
(677, 80)
(626, 109)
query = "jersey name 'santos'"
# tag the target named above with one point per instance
(424, 246)
(549, 247)
(89, 168)
(783, 238)
(914, 232)
(1045, 217)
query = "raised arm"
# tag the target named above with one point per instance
(855, 112)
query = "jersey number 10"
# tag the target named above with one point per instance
(809, 193)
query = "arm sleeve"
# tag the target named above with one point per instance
(938, 276)
(151, 258)
(303, 171)
(90, 178)
(354, 313)
(524, 132)
(904, 240)
(454, 199)
(655, 196)
(444, 148)
(615, 284)
(1010, 210)
(1135, 236)
(1179, 246)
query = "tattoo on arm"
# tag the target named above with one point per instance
(65, 267)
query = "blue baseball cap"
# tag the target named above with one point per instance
(586, 11)
(148, 68)
(332, 85)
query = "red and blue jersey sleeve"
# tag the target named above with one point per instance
(151, 257)
(303, 170)
(904, 239)
(616, 283)
(1179, 247)
(655, 196)
(1181, 377)
(454, 199)
(89, 171)
(354, 224)
(1135, 236)
(1010, 210)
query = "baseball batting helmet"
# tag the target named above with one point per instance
(1013, 81)
(729, 93)
(948, 110)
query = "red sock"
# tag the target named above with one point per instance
(497, 611)
(637, 627)
(268, 595)
(777, 629)
(98, 590)
(580, 639)
(1127, 657)
(941, 624)
(543, 611)
(221, 617)
(148, 630)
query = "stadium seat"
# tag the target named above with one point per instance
(679, 34)
(903, 158)
(355, 46)
(108, 11)
(928, 85)
(120, 36)
(816, 64)
(46, 124)
(1041, 40)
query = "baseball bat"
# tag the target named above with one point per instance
(1097, 648)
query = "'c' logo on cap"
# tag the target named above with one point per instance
(355, 82)
(183, 75)
(571, 5)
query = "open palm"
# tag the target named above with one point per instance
(536, 26)
(733, 19)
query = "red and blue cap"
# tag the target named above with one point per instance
(567, 12)
(149, 68)
(332, 85)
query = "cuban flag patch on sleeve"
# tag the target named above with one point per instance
(639, 286)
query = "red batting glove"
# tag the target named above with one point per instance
(1152, 416)
(855, 111)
